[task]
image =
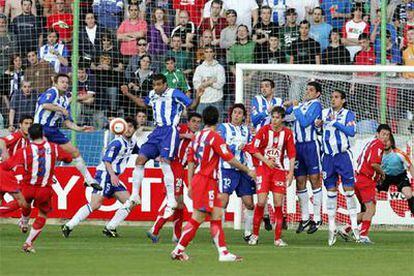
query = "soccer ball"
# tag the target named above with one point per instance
(118, 126)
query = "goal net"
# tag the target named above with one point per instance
(373, 97)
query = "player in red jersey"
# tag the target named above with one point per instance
(38, 160)
(8, 147)
(178, 164)
(270, 145)
(368, 172)
(205, 151)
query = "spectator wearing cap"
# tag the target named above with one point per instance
(194, 9)
(23, 102)
(184, 61)
(175, 77)
(290, 32)
(215, 22)
(319, 29)
(278, 8)
(305, 50)
(27, 28)
(229, 34)
(336, 12)
(108, 13)
(210, 76)
(247, 12)
(89, 38)
(273, 54)
(264, 29)
(39, 73)
(243, 50)
(185, 29)
(13, 8)
(158, 37)
(408, 53)
(130, 31)
(133, 63)
(61, 21)
(352, 29)
(336, 53)
(54, 52)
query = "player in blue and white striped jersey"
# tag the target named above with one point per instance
(167, 105)
(237, 134)
(113, 164)
(338, 126)
(308, 163)
(262, 104)
(53, 111)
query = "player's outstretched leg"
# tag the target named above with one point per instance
(189, 231)
(178, 219)
(169, 187)
(23, 222)
(35, 231)
(161, 219)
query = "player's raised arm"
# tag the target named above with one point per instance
(137, 100)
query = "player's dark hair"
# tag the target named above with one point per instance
(272, 83)
(392, 140)
(384, 127)
(36, 131)
(132, 121)
(159, 77)
(317, 86)
(279, 110)
(343, 96)
(25, 117)
(238, 105)
(61, 75)
(210, 115)
(194, 114)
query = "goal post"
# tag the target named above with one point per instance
(375, 93)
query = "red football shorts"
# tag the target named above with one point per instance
(180, 178)
(273, 180)
(204, 194)
(365, 189)
(8, 182)
(41, 196)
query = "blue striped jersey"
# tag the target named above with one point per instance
(235, 137)
(338, 127)
(45, 53)
(305, 115)
(260, 115)
(168, 106)
(51, 118)
(118, 153)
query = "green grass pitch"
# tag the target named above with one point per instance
(88, 252)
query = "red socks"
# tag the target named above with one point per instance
(366, 224)
(189, 232)
(257, 219)
(178, 219)
(217, 233)
(279, 222)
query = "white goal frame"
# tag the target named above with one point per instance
(239, 97)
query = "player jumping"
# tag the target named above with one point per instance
(52, 110)
(203, 160)
(270, 145)
(107, 174)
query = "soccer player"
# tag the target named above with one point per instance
(270, 145)
(167, 105)
(308, 165)
(395, 164)
(113, 164)
(338, 125)
(203, 160)
(38, 159)
(368, 172)
(187, 132)
(53, 109)
(8, 147)
(263, 103)
(236, 135)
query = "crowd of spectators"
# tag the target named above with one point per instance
(195, 43)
